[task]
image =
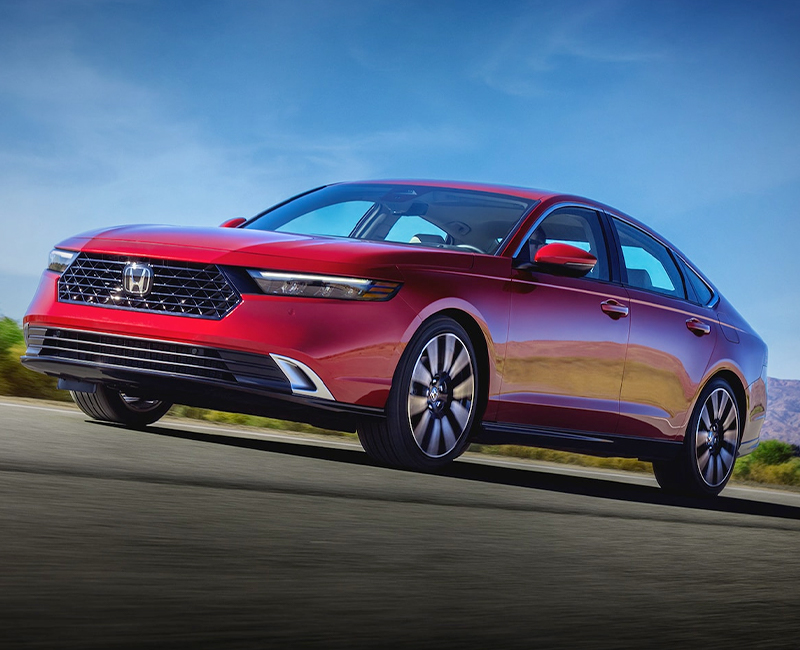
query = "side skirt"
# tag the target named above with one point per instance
(582, 442)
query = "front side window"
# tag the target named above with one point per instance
(577, 227)
(648, 263)
(441, 217)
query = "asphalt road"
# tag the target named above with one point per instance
(187, 535)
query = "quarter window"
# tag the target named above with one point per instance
(648, 263)
(697, 289)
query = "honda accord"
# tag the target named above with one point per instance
(423, 315)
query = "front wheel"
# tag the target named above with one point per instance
(433, 401)
(112, 406)
(709, 448)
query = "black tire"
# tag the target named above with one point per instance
(433, 401)
(112, 406)
(710, 445)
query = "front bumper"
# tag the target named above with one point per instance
(190, 374)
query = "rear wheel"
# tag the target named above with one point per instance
(433, 401)
(112, 406)
(710, 445)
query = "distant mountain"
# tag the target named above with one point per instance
(783, 411)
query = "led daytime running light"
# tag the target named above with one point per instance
(305, 285)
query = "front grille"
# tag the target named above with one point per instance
(179, 288)
(148, 355)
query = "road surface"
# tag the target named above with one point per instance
(192, 535)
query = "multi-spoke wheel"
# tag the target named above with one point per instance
(441, 395)
(433, 401)
(710, 446)
(717, 437)
(112, 406)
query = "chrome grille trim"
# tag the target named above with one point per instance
(179, 288)
(109, 350)
(154, 356)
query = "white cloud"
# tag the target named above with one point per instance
(536, 45)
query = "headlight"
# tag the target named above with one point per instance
(60, 260)
(281, 283)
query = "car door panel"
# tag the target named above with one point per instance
(565, 356)
(665, 365)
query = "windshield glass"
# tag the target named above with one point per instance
(409, 214)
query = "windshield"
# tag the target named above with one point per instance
(409, 214)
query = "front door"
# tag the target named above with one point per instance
(567, 336)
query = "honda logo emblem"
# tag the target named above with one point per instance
(137, 279)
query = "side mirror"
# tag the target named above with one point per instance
(233, 223)
(565, 259)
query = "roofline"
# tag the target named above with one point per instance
(510, 190)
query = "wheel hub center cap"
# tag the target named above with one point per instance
(713, 438)
(437, 396)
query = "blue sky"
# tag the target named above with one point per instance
(684, 114)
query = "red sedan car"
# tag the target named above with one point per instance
(424, 315)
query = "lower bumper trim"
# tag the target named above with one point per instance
(275, 401)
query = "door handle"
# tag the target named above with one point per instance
(614, 309)
(698, 327)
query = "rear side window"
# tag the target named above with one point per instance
(648, 263)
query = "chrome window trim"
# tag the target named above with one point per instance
(550, 210)
(584, 206)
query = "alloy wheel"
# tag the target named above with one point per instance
(441, 395)
(717, 437)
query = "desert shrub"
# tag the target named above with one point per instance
(773, 452)
(750, 469)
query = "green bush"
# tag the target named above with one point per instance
(772, 462)
(16, 379)
(10, 334)
(773, 452)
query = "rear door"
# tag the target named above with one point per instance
(671, 339)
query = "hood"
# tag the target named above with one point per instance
(266, 250)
